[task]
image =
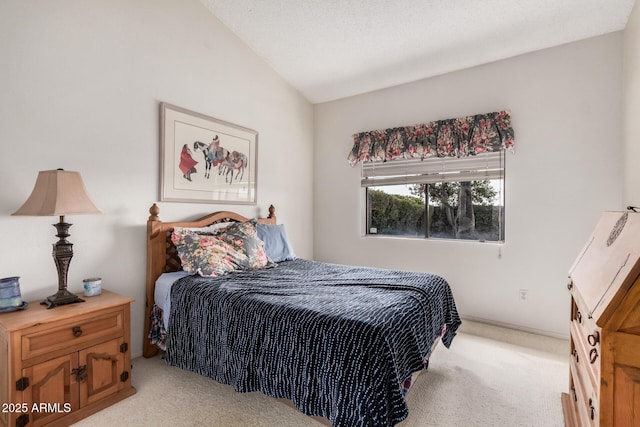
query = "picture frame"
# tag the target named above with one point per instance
(206, 160)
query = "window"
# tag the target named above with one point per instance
(445, 198)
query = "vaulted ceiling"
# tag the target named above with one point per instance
(331, 49)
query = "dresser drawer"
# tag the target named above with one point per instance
(583, 396)
(585, 357)
(62, 336)
(588, 329)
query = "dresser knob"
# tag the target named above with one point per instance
(570, 285)
(575, 355)
(579, 317)
(594, 338)
(77, 331)
(593, 355)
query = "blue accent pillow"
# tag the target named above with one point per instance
(275, 241)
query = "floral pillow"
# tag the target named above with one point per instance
(206, 255)
(243, 237)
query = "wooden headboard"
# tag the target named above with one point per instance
(162, 256)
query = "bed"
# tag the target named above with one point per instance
(339, 342)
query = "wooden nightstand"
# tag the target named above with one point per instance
(61, 365)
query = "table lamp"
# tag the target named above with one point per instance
(59, 193)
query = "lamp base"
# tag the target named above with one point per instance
(61, 297)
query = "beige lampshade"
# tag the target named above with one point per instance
(58, 192)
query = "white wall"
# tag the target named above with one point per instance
(631, 108)
(80, 83)
(566, 114)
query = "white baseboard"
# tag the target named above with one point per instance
(519, 327)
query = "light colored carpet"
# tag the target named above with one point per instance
(490, 377)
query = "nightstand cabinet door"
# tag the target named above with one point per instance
(51, 383)
(104, 371)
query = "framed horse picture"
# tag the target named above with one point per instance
(206, 160)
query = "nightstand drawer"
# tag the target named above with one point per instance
(79, 331)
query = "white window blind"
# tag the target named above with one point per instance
(489, 165)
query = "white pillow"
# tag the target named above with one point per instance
(210, 229)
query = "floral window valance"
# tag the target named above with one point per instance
(459, 137)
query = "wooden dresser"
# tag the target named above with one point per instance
(60, 365)
(604, 282)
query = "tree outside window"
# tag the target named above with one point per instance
(468, 210)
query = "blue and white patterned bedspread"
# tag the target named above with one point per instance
(336, 340)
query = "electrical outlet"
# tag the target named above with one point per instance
(524, 294)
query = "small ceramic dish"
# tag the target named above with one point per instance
(20, 307)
